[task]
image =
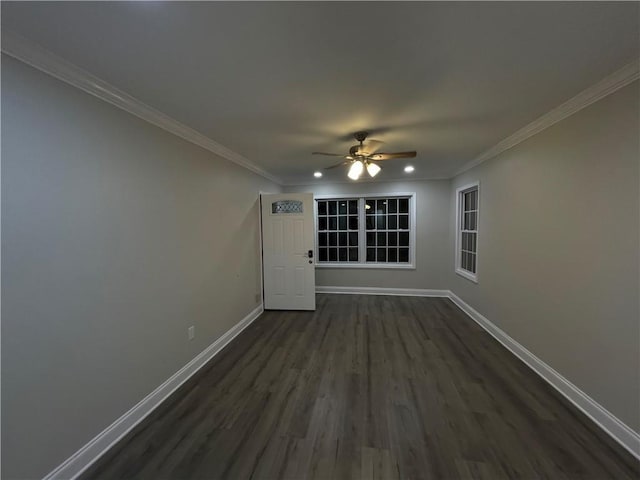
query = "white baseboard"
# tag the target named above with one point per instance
(92, 451)
(405, 292)
(620, 432)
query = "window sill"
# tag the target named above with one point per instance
(467, 275)
(380, 266)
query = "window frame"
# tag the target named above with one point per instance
(459, 206)
(362, 232)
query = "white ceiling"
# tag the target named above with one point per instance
(276, 81)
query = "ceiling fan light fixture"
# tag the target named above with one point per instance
(373, 169)
(355, 170)
(409, 169)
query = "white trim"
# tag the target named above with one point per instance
(38, 57)
(459, 191)
(608, 422)
(92, 451)
(403, 292)
(465, 274)
(33, 54)
(383, 266)
(610, 84)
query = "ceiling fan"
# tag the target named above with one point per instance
(362, 156)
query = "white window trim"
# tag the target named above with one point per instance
(362, 231)
(464, 273)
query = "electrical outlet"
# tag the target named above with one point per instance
(191, 331)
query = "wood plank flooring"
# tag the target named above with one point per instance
(366, 387)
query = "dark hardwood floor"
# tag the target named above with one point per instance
(367, 387)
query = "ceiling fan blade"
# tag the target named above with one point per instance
(391, 156)
(329, 154)
(338, 165)
(372, 146)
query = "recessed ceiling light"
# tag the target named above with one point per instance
(409, 169)
(317, 174)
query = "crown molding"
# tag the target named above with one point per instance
(607, 86)
(38, 57)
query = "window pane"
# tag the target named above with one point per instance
(322, 239)
(353, 254)
(467, 201)
(333, 223)
(474, 200)
(382, 254)
(472, 263)
(333, 239)
(342, 207)
(371, 254)
(343, 254)
(353, 222)
(381, 206)
(403, 239)
(393, 238)
(370, 207)
(333, 207)
(403, 205)
(322, 223)
(353, 239)
(353, 206)
(392, 206)
(382, 239)
(403, 255)
(342, 239)
(466, 221)
(342, 223)
(381, 222)
(371, 239)
(333, 254)
(371, 222)
(322, 208)
(403, 221)
(392, 221)
(472, 221)
(473, 247)
(392, 254)
(322, 254)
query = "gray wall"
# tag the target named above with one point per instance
(432, 233)
(558, 262)
(116, 236)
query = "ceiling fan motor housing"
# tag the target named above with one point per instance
(361, 136)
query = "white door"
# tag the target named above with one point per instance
(287, 251)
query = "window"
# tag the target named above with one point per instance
(467, 231)
(337, 223)
(371, 231)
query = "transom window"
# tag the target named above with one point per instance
(369, 231)
(467, 231)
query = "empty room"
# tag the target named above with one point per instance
(320, 240)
